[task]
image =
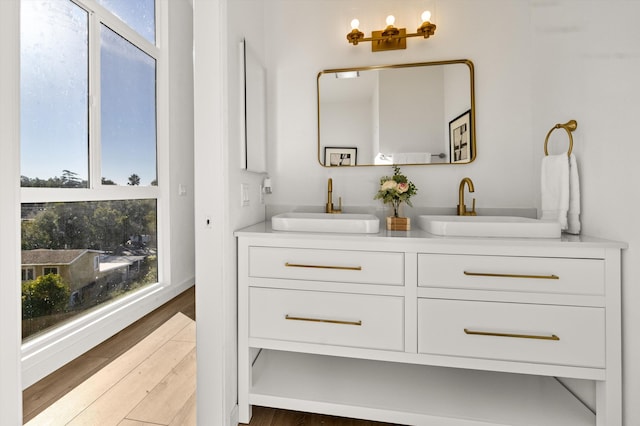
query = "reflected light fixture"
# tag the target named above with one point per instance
(391, 38)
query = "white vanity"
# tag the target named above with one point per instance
(408, 328)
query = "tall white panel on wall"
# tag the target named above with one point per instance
(253, 126)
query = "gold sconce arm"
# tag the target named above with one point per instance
(355, 36)
(427, 29)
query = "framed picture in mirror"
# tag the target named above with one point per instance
(460, 138)
(340, 156)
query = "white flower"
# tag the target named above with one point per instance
(390, 184)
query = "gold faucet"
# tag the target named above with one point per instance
(462, 208)
(329, 207)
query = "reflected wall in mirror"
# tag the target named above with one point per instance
(253, 132)
(398, 114)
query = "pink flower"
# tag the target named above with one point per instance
(403, 187)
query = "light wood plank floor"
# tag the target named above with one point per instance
(152, 383)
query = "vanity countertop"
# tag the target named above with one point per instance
(264, 229)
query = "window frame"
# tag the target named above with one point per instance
(73, 338)
(28, 271)
(46, 270)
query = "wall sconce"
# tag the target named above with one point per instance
(391, 38)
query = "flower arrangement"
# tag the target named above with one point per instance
(395, 190)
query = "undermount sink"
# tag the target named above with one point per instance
(352, 223)
(489, 226)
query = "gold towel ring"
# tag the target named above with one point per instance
(569, 126)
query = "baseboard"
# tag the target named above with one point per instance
(45, 354)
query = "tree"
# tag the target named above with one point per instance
(102, 225)
(46, 295)
(70, 179)
(106, 181)
(106, 235)
(134, 180)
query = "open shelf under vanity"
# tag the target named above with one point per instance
(411, 394)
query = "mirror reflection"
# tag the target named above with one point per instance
(420, 113)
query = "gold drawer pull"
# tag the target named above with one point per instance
(540, 277)
(519, 336)
(330, 321)
(344, 268)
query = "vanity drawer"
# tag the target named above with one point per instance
(512, 273)
(344, 319)
(327, 265)
(562, 335)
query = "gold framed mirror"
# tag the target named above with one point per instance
(415, 114)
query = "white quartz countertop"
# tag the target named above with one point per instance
(263, 229)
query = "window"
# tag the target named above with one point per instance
(128, 112)
(27, 274)
(88, 154)
(50, 270)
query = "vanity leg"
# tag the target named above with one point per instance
(609, 391)
(609, 403)
(244, 352)
(244, 382)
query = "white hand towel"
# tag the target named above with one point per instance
(555, 189)
(573, 215)
(411, 157)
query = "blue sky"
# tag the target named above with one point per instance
(54, 93)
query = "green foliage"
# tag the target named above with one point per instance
(103, 225)
(134, 180)
(395, 190)
(68, 179)
(46, 295)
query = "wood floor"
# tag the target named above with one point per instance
(263, 416)
(145, 375)
(50, 389)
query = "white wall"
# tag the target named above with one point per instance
(181, 141)
(219, 25)
(415, 127)
(306, 37)
(537, 63)
(589, 75)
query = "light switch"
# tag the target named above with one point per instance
(244, 194)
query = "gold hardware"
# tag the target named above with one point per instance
(541, 277)
(462, 208)
(329, 207)
(569, 126)
(391, 38)
(288, 317)
(518, 336)
(343, 268)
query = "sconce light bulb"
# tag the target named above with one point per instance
(391, 20)
(426, 16)
(355, 24)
